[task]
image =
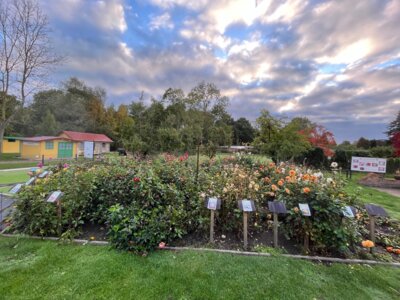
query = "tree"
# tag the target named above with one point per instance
(25, 54)
(243, 131)
(394, 127)
(48, 126)
(320, 137)
(363, 143)
(280, 140)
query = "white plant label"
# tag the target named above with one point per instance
(246, 204)
(212, 203)
(305, 209)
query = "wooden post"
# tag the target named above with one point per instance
(372, 228)
(43, 160)
(245, 230)
(59, 217)
(212, 226)
(275, 230)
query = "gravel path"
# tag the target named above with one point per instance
(394, 192)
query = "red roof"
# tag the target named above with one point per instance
(89, 137)
(43, 138)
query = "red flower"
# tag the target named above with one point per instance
(136, 179)
(161, 245)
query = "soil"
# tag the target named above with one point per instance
(231, 241)
(377, 180)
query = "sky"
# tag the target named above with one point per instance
(335, 62)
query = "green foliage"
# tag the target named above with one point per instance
(282, 141)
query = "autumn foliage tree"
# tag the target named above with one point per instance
(320, 137)
(396, 143)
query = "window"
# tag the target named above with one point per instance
(49, 145)
(11, 140)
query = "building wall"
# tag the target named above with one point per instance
(11, 147)
(31, 150)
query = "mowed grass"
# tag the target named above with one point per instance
(8, 177)
(34, 269)
(370, 195)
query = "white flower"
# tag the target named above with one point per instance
(334, 165)
(223, 236)
(202, 195)
(329, 180)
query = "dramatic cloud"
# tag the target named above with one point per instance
(336, 62)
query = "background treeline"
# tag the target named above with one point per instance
(182, 122)
(176, 122)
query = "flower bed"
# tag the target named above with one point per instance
(143, 203)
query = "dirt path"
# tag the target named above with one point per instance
(394, 192)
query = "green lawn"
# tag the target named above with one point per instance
(18, 164)
(371, 195)
(13, 176)
(33, 269)
(9, 156)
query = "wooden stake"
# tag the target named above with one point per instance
(198, 164)
(245, 230)
(372, 228)
(275, 230)
(59, 217)
(212, 226)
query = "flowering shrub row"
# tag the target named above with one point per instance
(145, 203)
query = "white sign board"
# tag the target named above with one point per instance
(54, 196)
(88, 149)
(212, 203)
(16, 189)
(368, 164)
(247, 205)
(347, 212)
(30, 181)
(44, 174)
(305, 209)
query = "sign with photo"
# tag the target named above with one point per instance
(305, 209)
(16, 189)
(368, 164)
(55, 196)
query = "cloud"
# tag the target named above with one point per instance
(334, 62)
(161, 21)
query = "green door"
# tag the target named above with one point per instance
(64, 150)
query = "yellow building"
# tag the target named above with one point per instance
(51, 147)
(11, 145)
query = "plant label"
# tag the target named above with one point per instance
(212, 203)
(30, 181)
(16, 189)
(44, 174)
(305, 209)
(348, 212)
(375, 210)
(277, 207)
(55, 196)
(247, 205)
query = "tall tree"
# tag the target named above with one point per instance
(394, 127)
(25, 54)
(243, 131)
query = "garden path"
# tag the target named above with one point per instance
(394, 192)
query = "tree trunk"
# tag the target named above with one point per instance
(2, 129)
